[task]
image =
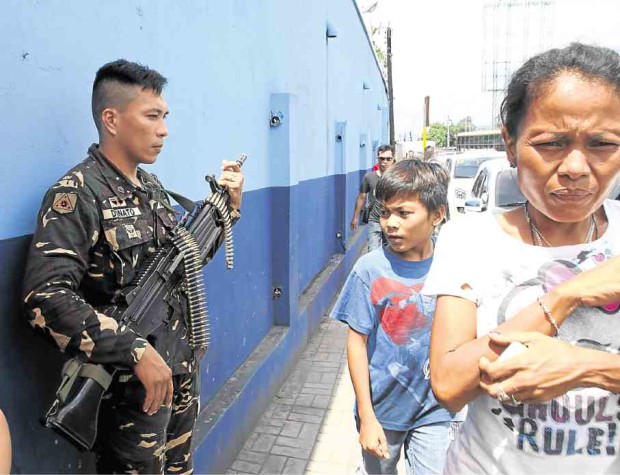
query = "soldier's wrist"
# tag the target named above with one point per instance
(138, 347)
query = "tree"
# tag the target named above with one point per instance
(438, 133)
(381, 56)
(377, 42)
(465, 125)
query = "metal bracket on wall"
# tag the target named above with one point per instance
(276, 292)
(340, 239)
(276, 119)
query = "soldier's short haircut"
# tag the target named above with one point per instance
(425, 181)
(115, 83)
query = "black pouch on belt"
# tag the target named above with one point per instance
(75, 410)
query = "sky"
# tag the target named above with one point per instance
(437, 49)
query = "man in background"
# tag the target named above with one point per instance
(385, 159)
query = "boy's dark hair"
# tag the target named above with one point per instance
(594, 63)
(384, 148)
(114, 82)
(426, 181)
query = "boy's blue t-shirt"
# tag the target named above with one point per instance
(381, 298)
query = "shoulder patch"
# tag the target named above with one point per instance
(65, 202)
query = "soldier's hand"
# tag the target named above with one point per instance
(232, 179)
(354, 223)
(156, 376)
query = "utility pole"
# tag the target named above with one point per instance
(427, 121)
(390, 86)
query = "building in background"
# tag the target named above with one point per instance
(479, 139)
(295, 87)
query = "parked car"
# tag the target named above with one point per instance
(495, 188)
(443, 155)
(462, 169)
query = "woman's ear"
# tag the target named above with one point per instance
(511, 147)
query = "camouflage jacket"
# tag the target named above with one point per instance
(93, 231)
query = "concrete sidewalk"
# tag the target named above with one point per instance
(309, 427)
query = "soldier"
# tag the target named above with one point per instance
(95, 227)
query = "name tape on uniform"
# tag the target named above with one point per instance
(121, 213)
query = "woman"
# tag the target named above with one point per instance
(543, 270)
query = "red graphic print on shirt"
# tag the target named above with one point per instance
(398, 310)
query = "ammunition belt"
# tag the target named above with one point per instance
(218, 201)
(198, 321)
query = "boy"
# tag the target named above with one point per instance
(389, 327)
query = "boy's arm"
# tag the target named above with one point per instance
(372, 437)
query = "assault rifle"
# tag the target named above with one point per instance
(174, 266)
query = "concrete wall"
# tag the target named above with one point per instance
(230, 65)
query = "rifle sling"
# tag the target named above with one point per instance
(187, 204)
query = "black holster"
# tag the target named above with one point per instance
(75, 410)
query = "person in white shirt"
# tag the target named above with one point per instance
(545, 275)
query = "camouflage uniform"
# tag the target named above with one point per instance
(94, 230)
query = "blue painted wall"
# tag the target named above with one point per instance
(230, 65)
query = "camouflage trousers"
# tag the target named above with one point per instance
(131, 441)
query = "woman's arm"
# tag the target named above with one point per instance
(455, 351)
(372, 437)
(457, 356)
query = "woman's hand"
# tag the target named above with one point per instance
(372, 438)
(546, 369)
(596, 287)
(232, 179)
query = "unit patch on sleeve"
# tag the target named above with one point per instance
(64, 202)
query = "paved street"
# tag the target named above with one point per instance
(309, 426)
